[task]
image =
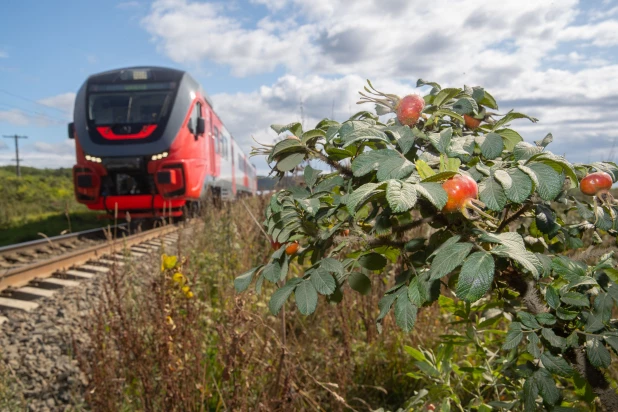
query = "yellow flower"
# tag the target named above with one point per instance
(168, 262)
(178, 277)
(187, 291)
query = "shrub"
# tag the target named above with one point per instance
(500, 230)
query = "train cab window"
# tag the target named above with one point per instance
(197, 112)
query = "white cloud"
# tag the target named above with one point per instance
(63, 102)
(38, 159)
(62, 148)
(14, 116)
(3, 145)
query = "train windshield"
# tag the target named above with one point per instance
(129, 104)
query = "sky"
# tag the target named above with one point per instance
(261, 61)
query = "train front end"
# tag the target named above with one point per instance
(133, 155)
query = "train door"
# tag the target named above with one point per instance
(210, 141)
(233, 168)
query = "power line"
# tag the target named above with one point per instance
(12, 106)
(17, 159)
(31, 101)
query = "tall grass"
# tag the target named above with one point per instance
(152, 348)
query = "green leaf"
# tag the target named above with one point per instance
(533, 345)
(511, 138)
(389, 163)
(286, 146)
(311, 175)
(441, 141)
(528, 320)
(306, 297)
(432, 192)
(531, 391)
(361, 195)
(492, 194)
(290, 162)
(575, 299)
(546, 318)
(423, 169)
(552, 298)
(405, 313)
(491, 145)
(597, 353)
(439, 177)
(553, 339)
(372, 261)
(385, 305)
(556, 365)
(547, 386)
(332, 265)
(421, 82)
(364, 133)
(550, 182)
(323, 281)
(565, 314)
(513, 336)
(510, 116)
(489, 101)
(524, 151)
(612, 341)
(521, 186)
(242, 282)
(281, 295)
(417, 292)
(360, 283)
(295, 128)
(445, 95)
(401, 196)
(465, 105)
(272, 272)
(448, 258)
(513, 247)
(312, 135)
(476, 276)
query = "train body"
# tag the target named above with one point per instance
(149, 143)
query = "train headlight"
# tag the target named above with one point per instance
(93, 159)
(159, 156)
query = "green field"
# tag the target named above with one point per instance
(40, 202)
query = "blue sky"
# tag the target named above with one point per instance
(259, 59)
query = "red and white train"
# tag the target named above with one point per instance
(148, 142)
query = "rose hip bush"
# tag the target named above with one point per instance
(498, 233)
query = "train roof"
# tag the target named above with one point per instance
(161, 74)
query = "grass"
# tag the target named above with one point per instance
(152, 348)
(41, 201)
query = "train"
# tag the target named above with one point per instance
(149, 144)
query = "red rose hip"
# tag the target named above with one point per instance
(595, 182)
(409, 109)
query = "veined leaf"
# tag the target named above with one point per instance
(401, 196)
(281, 295)
(405, 312)
(491, 145)
(432, 192)
(476, 276)
(550, 182)
(511, 138)
(492, 194)
(306, 297)
(513, 336)
(520, 188)
(556, 364)
(513, 247)
(448, 258)
(323, 281)
(597, 353)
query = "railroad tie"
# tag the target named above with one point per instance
(140, 249)
(79, 274)
(110, 262)
(29, 290)
(56, 283)
(17, 304)
(93, 268)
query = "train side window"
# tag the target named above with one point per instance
(216, 136)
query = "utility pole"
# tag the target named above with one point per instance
(17, 159)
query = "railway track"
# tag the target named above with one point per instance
(22, 286)
(22, 254)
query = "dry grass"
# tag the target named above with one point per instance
(226, 352)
